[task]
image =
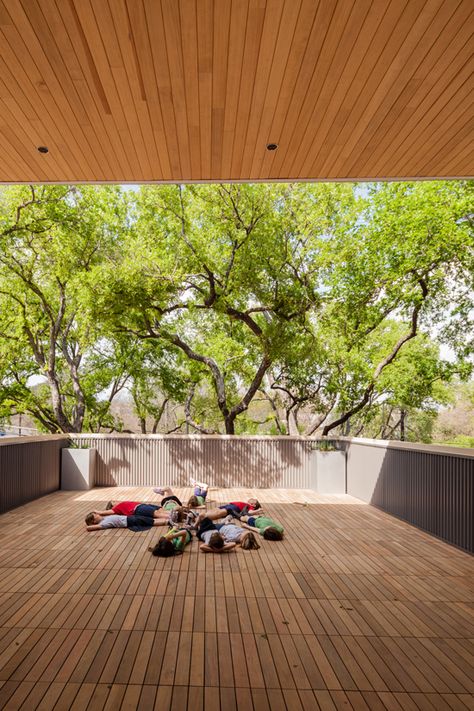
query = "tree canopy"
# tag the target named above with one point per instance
(50, 238)
(315, 306)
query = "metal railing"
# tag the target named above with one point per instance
(30, 467)
(220, 460)
(428, 486)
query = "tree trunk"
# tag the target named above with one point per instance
(403, 414)
(229, 425)
(291, 423)
(61, 419)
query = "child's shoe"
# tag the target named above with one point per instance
(159, 490)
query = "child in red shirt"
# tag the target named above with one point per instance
(234, 508)
(134, 508)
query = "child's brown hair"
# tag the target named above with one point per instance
(164, 548)
(272, 534)
(216, 541)
(90, 519)
(193, 502)
(250, 542)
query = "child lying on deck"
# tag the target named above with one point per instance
(135, 522)
(222, 537)
(238, 508)
(234, 508)
(171, 507)
(265, 526)
(172, 544)
(198, 500)
(131, 508)
(170, 500)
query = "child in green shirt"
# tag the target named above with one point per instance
(265, 526)
(173, 543)
(198, 500)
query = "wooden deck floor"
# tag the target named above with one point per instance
(354, 610)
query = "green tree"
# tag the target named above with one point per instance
(50, 238)
(411, 257)
(408, 396)
(455, 422)
(156, 378)
(288, 291)
(225, 275)
(314, 297)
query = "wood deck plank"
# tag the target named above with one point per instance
(369, 614)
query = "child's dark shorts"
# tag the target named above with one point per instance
(206, 525)
(139, 523)
(171, 498)
(146, 510)
(231, 509)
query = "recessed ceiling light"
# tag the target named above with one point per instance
(43, 149)
(272, 146)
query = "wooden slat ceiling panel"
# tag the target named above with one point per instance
(170, 90)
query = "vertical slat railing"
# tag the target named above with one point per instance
(430, 487)
(147, 460)
(30, 467)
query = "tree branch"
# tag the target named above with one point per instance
(187, 412)
(385, 362)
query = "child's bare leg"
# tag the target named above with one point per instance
(161, 513)
(160, 522)
(201, 485)
(163, 490)
(213, 514)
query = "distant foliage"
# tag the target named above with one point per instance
(460, 441)
(455, 422)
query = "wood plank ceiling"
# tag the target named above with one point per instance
(182, 90)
